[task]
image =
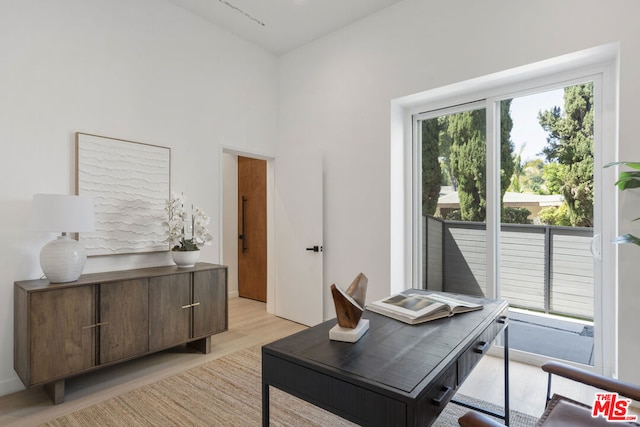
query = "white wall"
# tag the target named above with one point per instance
(141, 70)
(335, 94)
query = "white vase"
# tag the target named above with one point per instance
(62, 260)
(185, 258)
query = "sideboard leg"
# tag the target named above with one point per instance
(55, 390)
(202, 345)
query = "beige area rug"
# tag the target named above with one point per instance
(224, 392)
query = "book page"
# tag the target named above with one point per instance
(411, 306)
(415, 303)
(452, 302)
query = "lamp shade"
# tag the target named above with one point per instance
(62, 213)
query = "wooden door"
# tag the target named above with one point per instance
(210, 302)
(169, 310)
(252, 225)
(124, 319)
(62, 332)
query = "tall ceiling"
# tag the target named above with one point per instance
(282, 25)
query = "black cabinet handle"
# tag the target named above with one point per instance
(443, 397)
(503, 319)
(482, 347)
(315, 249)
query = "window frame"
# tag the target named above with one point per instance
(417, 245)
(598, 64)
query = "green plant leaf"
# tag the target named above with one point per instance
(633, 165)
(190, 245)
(627, 238)
(628, 180)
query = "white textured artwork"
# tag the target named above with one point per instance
(129, 182)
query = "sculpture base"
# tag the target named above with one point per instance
(338, 333)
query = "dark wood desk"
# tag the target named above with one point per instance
(395, 375)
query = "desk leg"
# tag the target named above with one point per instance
(265, 405)
(506, 375)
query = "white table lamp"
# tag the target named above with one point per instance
(62, 260)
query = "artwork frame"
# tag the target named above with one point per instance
(130, 183)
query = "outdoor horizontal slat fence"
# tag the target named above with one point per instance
(572, 275)
(543, 268)
(522, 267)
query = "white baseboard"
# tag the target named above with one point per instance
(234, 294)
(11, 386)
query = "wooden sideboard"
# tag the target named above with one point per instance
(64, 329)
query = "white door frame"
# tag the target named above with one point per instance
(271, 282)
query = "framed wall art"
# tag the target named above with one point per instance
(130, 184)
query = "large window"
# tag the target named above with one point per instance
(545, 208)
(507, 201)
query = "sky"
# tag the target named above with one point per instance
(526, 129)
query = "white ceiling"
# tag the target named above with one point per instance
(282, 25)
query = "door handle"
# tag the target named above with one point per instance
(243, 235)
(315, 248)
(95, 325)
(595, 246)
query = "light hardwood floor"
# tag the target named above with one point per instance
(250, 325)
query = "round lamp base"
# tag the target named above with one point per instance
(62, 260)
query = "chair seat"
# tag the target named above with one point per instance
(564, 412)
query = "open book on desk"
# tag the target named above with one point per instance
(412, 307)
